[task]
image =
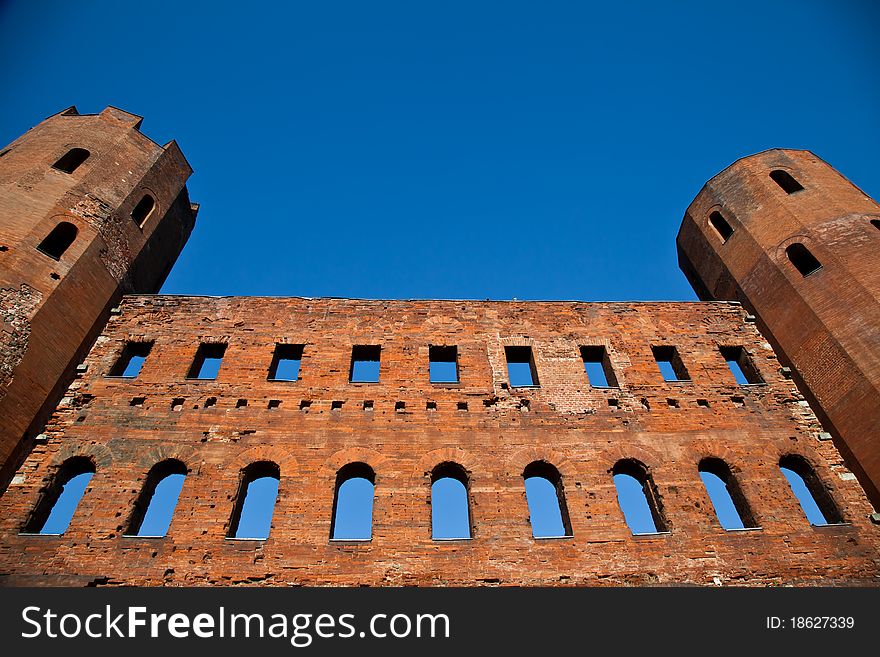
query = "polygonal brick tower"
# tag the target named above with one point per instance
(798, 244)
(90, 209)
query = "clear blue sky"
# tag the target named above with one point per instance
(474, 150)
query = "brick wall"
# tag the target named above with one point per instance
(581, 430)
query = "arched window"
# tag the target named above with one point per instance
(875, 223)
(154, 507)
(58, 502)
(638, 497)
(353, 503)
(70, 161)
(255, 502)
(548, 512)
(719, 223)
(785, 180)
(57, 242)
(450, 507)
(730, 504)
(814, 498)
(143, 210)
(804, 261)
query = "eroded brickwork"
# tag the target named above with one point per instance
(55, 304)
(492, 430)
(824, 324)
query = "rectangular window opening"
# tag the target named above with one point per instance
(741, 366)
(206, 364)
(597, 365)
(131, 360)
(443, 364)
(365, 363)
(521, 368)
(286, 362)
(671, 366)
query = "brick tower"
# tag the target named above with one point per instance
(90, 209)
(797, 244)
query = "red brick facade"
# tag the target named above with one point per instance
(825, 324)
(581, 430)
(54, 307)
(403, 426)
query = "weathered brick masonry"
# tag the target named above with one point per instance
(582, 430)
(86, 173)
(824, 323)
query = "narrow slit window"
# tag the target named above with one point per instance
(155, 506)
(143, 210)
(443, 364)
(58, 241)
(741, 365)
(813, 496)
(597, 366)
(206, 364)
(286, 362)
(521, 370)
(130, 362)
(255, 502)
(638, 498)
(450, 507)
(353, 503)
(719, 223)
(727, 498)
(804, 261)
(545, 496)
(71, 160)
(58, 502)
(365, 361)
(786, 181)
(669, 361)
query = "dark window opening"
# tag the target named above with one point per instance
(241, 403)
(719, 223)
(638, 498)
(785, 180)
(521, 370)
(400, 406)
(58, 241)
(70, 161)
(206, 364)
(143, 210)
(255, 502)
(154, 507)
(875, 223)
(131, 360)
(285, 363)
(365, 361)
(336, 405)
(545, 496)
(273, 403)
(58, 501)
(727, 498)
(353, 503)
(671, 366)
(804, 261)
(443, 364)
(741, 365)
(598, 367)
(450, 507)
(177, 404)
(431, 406)
(461, 406)
(814, 498)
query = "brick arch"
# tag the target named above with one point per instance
(430, 460)
(353, 455)
(101, 454)
(650, 458)
(516, 463)
(283, 457)
(717, 448)
(187, 455)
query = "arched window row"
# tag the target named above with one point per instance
(452, 518)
